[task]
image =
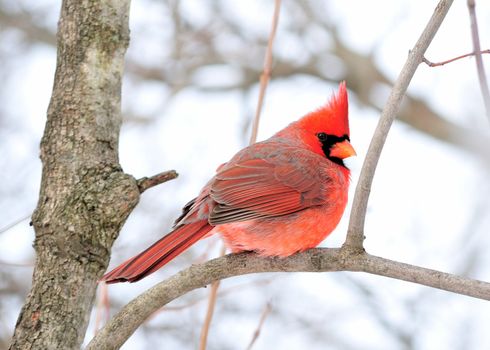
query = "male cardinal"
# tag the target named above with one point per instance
(276, 197)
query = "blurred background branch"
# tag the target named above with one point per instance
(180, 68)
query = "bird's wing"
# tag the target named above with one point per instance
(282, 184)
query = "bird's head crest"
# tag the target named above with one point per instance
(332, 118)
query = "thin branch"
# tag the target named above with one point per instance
(149, 182)
(482, 78)
(10, 264)
(14, 223)
(439, 64)
(264, 80)
(265, 313)
(222, 292)
(28, 25)
(368, 298)
(203, 339)
(213, 294)
(265, 76)
(131, 316)
(355, 233)
(204, 256)
(359, 68)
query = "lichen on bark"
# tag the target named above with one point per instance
(85, 197)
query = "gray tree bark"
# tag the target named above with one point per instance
(85, 196)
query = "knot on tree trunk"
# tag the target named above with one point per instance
(83, 224)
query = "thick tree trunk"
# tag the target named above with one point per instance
(85, 197)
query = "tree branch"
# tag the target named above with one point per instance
(265, 313)
(266, 73)
(213, 294)
(362, 74)
(14, 223)
(442, 63)
(122, 325)
(355, 233)
(148, 182)
(264, 80)
(482, 78)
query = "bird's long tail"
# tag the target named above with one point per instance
(160, 253)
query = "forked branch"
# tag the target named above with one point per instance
(442, 63)
(355, 232)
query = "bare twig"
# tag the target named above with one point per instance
(264, 80)
(14, 223)
(203, 340)
(6, 263)
(401, 334)
(26, 23)
(362, 74)
(204, 256)
(121, 326)
(482, 78)
(355, 233)
(222, 292)
(213, 294)
(265, 313)
(439, 64)
(265, 76)
(149, 182)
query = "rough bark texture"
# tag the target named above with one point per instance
(85, 197)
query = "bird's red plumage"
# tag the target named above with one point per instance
(159, 253)
(275, 197)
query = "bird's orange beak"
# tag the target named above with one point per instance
(342, 150)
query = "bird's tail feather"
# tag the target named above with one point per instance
(158, 254)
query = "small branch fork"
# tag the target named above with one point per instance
(149, 182)
(355, 232)
(439, 64)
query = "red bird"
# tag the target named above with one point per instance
(276, 197)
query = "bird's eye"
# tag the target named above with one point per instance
(322, 136)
